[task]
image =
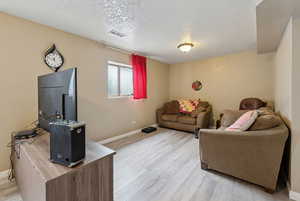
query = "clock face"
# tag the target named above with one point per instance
(54, 60)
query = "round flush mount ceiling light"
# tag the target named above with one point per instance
(185, 47)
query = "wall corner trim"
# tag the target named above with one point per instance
(294, 195)
(112, 139)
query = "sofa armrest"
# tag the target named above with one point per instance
(203, 119)
(159, 113)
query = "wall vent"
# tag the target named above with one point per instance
(116, 33)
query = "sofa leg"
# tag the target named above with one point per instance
(196, 132)
(268, 190)
(204, 166)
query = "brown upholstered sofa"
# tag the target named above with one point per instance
(169, 117)
(254, 155)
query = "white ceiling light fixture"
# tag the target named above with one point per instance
(185, 47)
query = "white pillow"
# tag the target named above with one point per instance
(244, 122)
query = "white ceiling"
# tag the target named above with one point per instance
(217, 27)
(272, 17)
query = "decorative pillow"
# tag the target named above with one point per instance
(244, 122)
(230, 116)
(266, 121)
(171, 107)
(188, 106)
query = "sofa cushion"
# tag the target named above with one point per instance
(197, 111)
(265, 121)
(244, 122)
(185, 119)
(230, 116)
(203, 104)
(171, 107)
(265, 111)
(169, 117)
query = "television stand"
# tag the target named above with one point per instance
(40, 180)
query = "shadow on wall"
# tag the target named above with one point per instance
(285, 169)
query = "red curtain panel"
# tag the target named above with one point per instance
(139, 65)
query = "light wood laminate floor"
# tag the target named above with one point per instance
(165, 166)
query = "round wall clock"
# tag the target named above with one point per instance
(197, 85)
(53, 58)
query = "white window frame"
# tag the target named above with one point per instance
(119, 66)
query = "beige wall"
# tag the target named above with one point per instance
(226, 80)
(287, 94)
(283, 75)
(22, 44)
(283, 65)
(295, 124)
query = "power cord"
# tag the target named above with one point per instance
(14, 146)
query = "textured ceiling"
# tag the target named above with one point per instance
(217, 27)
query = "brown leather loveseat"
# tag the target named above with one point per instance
(169, 116)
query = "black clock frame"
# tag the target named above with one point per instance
(49, 51)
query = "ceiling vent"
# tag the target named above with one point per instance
(116, 33)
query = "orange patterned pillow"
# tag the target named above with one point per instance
(188, 106)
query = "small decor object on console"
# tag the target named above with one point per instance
(197, 85)
(53, 58)
(26, 134)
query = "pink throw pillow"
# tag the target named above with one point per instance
(244, 122)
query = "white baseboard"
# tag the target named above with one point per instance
(294, 196)
(112, 139)
(4, 173)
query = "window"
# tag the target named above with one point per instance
(120, 80)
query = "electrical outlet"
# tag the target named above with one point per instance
(133, 122)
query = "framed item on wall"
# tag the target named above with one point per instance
(53, 58)
(197, 85)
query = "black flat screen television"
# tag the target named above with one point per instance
(57, 97)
